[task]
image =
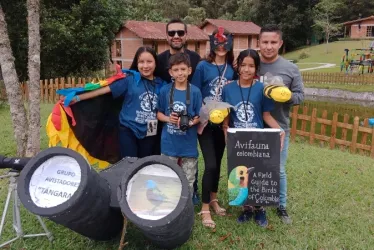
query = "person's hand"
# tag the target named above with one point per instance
(173, 118)
(73, 101)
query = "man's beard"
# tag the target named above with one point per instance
(179, 47)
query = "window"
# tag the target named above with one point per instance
(249, 42)
(118, 48)
(197, 47)
(155, 46)
(370, 31)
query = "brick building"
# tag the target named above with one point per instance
(135, 34)
(245, 34)
(360, 28)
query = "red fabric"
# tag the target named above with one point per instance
(119, 75)
(56, 114)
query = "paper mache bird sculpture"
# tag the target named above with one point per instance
(154, 194)
(238, 185)
(89, 127)
(275, 88)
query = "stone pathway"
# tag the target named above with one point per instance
(323, 66)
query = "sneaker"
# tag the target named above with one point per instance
(195, 199)
(282, 213)
(245, 216)
(260, 217)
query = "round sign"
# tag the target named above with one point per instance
(154, 192)
(55, 181)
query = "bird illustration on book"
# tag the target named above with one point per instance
(238, 185)
(154, 194)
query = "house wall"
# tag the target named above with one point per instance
(129, 43)
(361, 33)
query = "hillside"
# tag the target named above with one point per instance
(317, 54)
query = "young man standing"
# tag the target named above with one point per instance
(270, 41)
(176, 35)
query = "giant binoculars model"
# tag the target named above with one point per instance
(152, 192)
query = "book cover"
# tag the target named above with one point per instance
(253, 164)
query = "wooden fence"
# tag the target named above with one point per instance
(346, 134)
(48, 87)
(338, 78)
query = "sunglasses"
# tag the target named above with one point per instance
(180, 33)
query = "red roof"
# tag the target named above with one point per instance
(157, 31)
(235, 27)
(359, 20)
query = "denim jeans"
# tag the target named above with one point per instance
(283, 175)
(131, 146)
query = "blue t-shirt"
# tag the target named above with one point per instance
(257, 105)
(206, 78)
(139, 104)
(175, 142)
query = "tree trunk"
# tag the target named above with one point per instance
(12, 86)
(33, 142)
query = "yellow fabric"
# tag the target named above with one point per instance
(67, 139)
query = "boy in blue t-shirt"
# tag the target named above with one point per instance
(178, 107)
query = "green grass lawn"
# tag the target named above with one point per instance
(330, 201)
(317, 53)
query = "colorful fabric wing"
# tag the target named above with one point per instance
(89, 127)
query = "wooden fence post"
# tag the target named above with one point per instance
(313, 126)
(303, 122)
(364, 135)
(295, 111)
(55, 87)
(333, 130)
(354, 134)
(344, 131)
(323, 126)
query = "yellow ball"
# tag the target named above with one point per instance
(216, 116)
(225, 112)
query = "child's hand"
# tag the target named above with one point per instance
(174, 118)
(73, 101)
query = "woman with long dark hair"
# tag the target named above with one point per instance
(210, 76)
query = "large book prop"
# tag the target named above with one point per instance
(253, 164)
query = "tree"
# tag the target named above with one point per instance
(33, 142)
(77, 34)
(195, 16)
(292, 16)
(26, 130)
(12, 87)
(325, 17)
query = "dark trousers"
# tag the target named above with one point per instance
(212, 143)
(131, 146)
